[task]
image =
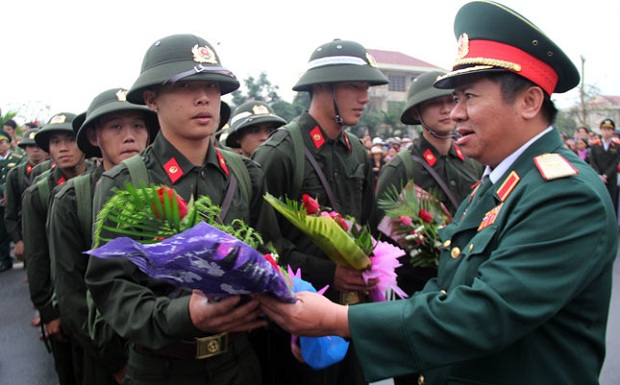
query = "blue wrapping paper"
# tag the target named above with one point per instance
(203, 258)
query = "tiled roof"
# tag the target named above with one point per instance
(398, 58)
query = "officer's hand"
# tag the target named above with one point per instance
(346, 279)
(54, 331)
(18, 250)
(224, 316)
(312, 315)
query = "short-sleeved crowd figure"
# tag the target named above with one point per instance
(513, 299)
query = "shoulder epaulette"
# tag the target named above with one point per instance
(554, 166)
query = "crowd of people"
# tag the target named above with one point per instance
(513, 299)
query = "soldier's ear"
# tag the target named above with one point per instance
(91, 134)
(150, 99)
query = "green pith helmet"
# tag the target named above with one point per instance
(181, 57)
(249, 114)
(61, 122)
(5, 135)
(112, 100)
(28, 138)
(224, 114)
(340, 61)
(492, 37)
(422, 90)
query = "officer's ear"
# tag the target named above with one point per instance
(531, 101)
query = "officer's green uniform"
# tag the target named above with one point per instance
(18, 180)
(346, 166)
(524, 283)
(459, 174)
(10, 161)
(153, 315)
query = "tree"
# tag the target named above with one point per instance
(259, 89)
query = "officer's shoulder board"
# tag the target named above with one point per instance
(554, 166)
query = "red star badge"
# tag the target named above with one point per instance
(317, 137)
(173, 170)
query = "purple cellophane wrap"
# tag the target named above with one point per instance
(203, 258)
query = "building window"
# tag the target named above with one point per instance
(397, 83)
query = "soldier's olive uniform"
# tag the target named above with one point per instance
(6, 164)
(346, 167)
(154, 315)
(459, 174)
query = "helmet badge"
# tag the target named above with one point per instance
(371, 60)
(204, 55)
(121, 95)
(260, 110)
(58, 119)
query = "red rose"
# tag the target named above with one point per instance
(338, 219)
(310, 204)
(161, 193)
(425, 216)
(270, 259)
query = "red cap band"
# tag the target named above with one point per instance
(492, 53)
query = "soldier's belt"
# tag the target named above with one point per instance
(199, 349)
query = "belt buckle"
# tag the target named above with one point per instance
(211, 346)
(349, 297)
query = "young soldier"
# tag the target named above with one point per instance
(112, 129)
(176, 336)
(434, 162)
(8, 160)
(523, 289)
(604, 157)
(251, 125)
(58, 139)
(18, 180)
(338, 78)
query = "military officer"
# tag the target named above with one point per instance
(251, 124)
(8, 160)
(604, 157)
(112, 129)
(338, 78)
(57, 138)
(434, 162)
(18, 180)
(522, 294)
(176, 336)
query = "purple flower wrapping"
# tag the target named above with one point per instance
(203, 258)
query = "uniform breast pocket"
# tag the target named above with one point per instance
(476, 252)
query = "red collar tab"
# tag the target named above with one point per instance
(317, 137)
(28, 169)
(61, 181)
(459, 153)
(509, 184)
(474, 188)
(222, 161)
(429, 157)
(346, 141)
(173, 170)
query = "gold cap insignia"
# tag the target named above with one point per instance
(462, 46)
(204, 55)
(58, 119)
(371, 60)
(121, 95)
(260, 110)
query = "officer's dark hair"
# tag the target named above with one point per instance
(512, 85)
(11, 123)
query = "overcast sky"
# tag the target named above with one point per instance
(63, 53)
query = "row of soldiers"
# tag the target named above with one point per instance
(125, 316)
(111, 323)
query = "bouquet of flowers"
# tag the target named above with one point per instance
(345, 242)
(186, 244)
(412, 218)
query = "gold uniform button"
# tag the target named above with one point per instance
(455, 253)
(421, 380)
(442, 291)
(447, 243)
(471, 247)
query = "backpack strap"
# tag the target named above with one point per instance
(298, 145)
(240, 175)
(43, 185)
(84, 200)
(137, 171)
(21, 178)
(407, 162)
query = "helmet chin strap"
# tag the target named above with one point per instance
(452, 135)
(337, 118)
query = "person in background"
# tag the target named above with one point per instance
(583, 149)
(251, 124)
(8, 161)
(604, 158)
(522, 294)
